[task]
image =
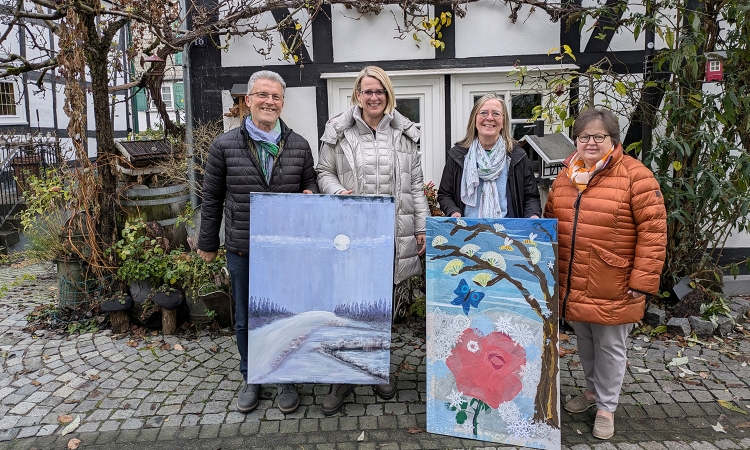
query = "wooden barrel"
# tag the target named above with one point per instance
(163, 205)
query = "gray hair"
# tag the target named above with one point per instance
(265, 75)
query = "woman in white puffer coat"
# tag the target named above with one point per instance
(371, 149)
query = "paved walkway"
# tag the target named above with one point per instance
(177, 392)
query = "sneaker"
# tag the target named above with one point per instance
(248, 398)
(334, 400)
(386, 391)
(287, 398)
(579, 404)
(604, 427)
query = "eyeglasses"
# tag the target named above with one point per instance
(265, 95)
(598, 138)
(377, 92)
(486, 114)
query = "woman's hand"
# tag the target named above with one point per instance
(345, 192)
(421, 243)
(456, 214)
(307, 191)
(635, 293)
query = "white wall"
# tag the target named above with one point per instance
(243, 50)
(487, 31)
(374, 37)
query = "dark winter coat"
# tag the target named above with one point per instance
(524, 193)
(233, 172)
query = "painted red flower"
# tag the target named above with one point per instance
(487, 368)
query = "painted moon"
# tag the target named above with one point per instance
(341, 242)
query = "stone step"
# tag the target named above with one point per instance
(11, 223)
(8, 238)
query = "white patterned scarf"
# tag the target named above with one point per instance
(480, 164)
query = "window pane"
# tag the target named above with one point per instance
(522, 129)
(7, 100)
(166, 96)
(523, 105)
(410, 108)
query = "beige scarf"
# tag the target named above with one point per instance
(580, 175)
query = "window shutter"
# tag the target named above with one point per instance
(140, 100)
(178, 58)
(179, 96)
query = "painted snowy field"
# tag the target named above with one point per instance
(309, 348)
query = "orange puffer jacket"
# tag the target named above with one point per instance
(612, 238)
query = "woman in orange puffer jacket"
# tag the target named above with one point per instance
(612, 233)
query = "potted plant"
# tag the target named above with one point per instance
(205, 284)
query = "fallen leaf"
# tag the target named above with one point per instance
(65, 418)
(166, 346)
(215, 349)
(179, 347)
(718, 427)
(71, 427)
(132, 344)
(414, 430)
(743, 425)
(678, 361)
(73, 444)
(686, 371)
(642, 370)
(94, 377)
(361, 437)
(35, 383)
(730, 406)
(578, 431)
(704, 375)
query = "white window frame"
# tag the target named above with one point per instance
(19, 118)
(170, 105)
(714, 65)
(465, 86)
(429, 89)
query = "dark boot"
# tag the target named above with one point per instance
(287, 398)
(334, 401)
(386, 391)
(248, 398)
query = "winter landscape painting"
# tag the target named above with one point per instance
(492, 330)
(321, 287)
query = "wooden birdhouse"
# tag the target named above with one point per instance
(549, 152)
(238, 93)
(714, 70)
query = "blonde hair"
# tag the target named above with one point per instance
(471, 127)
(380, 75)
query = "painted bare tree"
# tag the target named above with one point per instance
(546, 401)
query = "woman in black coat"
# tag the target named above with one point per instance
(499, 181)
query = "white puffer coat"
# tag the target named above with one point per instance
(352, 158)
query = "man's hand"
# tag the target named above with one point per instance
(307, 191)
(345, 192)
(421, 243)
(456, 214)
(207, 256)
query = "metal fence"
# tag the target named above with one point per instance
(22, 157)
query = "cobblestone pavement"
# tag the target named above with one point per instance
(129, 395)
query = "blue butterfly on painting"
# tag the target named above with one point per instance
(466, 297)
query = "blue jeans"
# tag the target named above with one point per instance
(239, 273)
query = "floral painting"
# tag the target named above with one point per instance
(321, 280)
(492, 330)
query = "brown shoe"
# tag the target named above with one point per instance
(334, 400)
(579, 404)
(386, 391)
(604, 427)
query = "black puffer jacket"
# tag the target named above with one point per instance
(233, 172)
(521, 180)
